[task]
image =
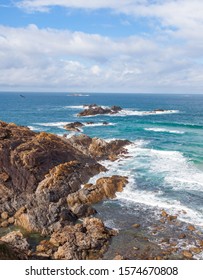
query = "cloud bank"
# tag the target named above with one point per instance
(170, 59)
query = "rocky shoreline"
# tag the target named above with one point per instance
(44, 190)
(41, 176)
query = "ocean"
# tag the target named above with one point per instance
(165, 163)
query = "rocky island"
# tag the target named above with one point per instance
(94, 109)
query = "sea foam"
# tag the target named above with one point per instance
(165, 130)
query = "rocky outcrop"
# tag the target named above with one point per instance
(94, 109)
(16, 239)
(88, 240)
(13, 246)
(75, 126)
(105, 188)
(38, 171)
(26, 157)
(99, 148)
(48, 210)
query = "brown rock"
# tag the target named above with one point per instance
(98, 110)
(164, 213)
(182, 236)
(7, 252)
(104, 188)
(118, 257)
(11, 220)
(4, 215)
(4, 177)
(16, 239)
(187, 254)
(158, 258)
(82, 241)
(4, 224)
(200, 242)
(171, 218)
(196, 250)
(191, 228)
(25, 221)
(73, 126)
(136, 225)
(19, 212)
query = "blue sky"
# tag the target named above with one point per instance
(102, 46)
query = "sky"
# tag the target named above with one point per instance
(132, 46)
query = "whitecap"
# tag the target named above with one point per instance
(98, 124)
(34, 128)
(127, 112)
(53, 124)
(165, 130)
(74, 107)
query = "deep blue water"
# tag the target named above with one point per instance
(166, 167)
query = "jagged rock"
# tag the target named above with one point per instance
(48, 209)
(7, 252)
(94, 109)
(99, 148)
(16, 239)
(104, 188)
(82, 241)
(38, 172)
(74, 126)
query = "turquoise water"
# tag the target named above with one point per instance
(165, 169)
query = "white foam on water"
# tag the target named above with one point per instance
(156, 129)
(77, 95)
(178, 172)
(157, 201)
(127, 112)
(34, 128)
(53, 124)
(75, 107)
(171, 166)
(99, 124)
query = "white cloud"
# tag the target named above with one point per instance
(169, 60)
